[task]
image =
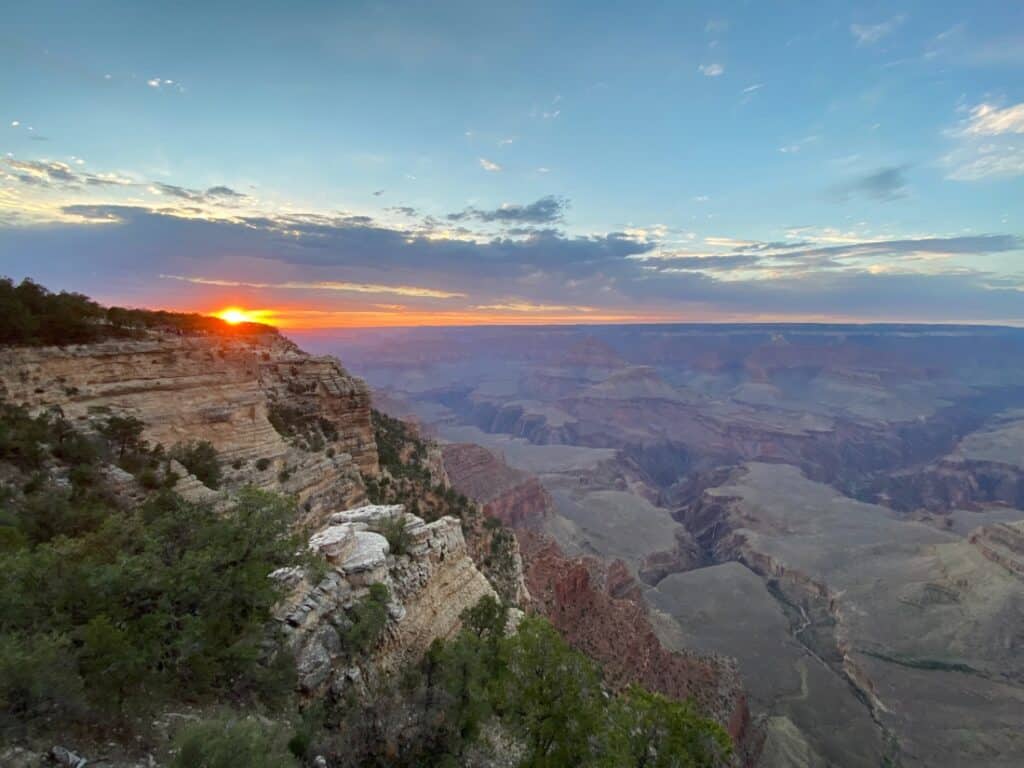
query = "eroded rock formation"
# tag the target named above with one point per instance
(599, 611)
(220, 389)
(430, 585)
(514, 497)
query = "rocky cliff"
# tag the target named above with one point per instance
(230, 391)
(1002, 543)
(599, 610)
(514, 497)
(430, 583)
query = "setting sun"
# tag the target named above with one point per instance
(234, 316)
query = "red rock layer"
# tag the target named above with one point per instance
(512, 496)
(598, 610)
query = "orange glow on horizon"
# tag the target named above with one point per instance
(398, 316)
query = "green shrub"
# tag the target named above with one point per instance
(124, 433)
(231, 742)
(149, 479)
(168, 601)
(23, 437)
(38, 678)
(262, 464)
(200, 459)
(395, 530)
(369, 617)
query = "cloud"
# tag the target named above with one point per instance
(224, 193)
(398, 290)
(796, 146)
(711, 70)
(886, 184)
(683, 261)
(348, 257)
(357, 243)
(542, 169)
(219, 194)
(987, 161)
(506, 142)
(52, 173)
(527, 306)
(160, 82)
(546, 210)
(753, 88)
(869, 34)
(378, 192)
(15, 123)
(488, 165)
(988, 120)
(990, 144)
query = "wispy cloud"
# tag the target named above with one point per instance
(888, 183)
(989, 144)
(546, 210)
(397, 290)
(989, 120)
(711, 70)
(526, 307)
(489, 165)
(49, 173)
(869, 34)
(986, 161)
(796, 146)
(218, 194)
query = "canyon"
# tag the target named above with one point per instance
(300, 425)
(836, 508)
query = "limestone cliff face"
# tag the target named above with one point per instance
(429, 585)
(216, 388)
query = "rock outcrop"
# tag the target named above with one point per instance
(514, 497)
(598, 610)
(221, 389)
(430, 585)
(1002, 543)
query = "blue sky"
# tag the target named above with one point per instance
(364, 163)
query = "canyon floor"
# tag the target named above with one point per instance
(835, 507)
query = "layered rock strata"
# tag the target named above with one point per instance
(514, 497)
(429, 585)
(220, 389)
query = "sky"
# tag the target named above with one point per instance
(349, 164)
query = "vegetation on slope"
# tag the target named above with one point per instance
(525, 695)
(108, 612)
(406, 477)
(32, 315)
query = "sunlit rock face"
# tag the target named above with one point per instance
(220, 389)
(430, 584)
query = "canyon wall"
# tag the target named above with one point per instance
(221, 389)
(429, 586)
(514, 497)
